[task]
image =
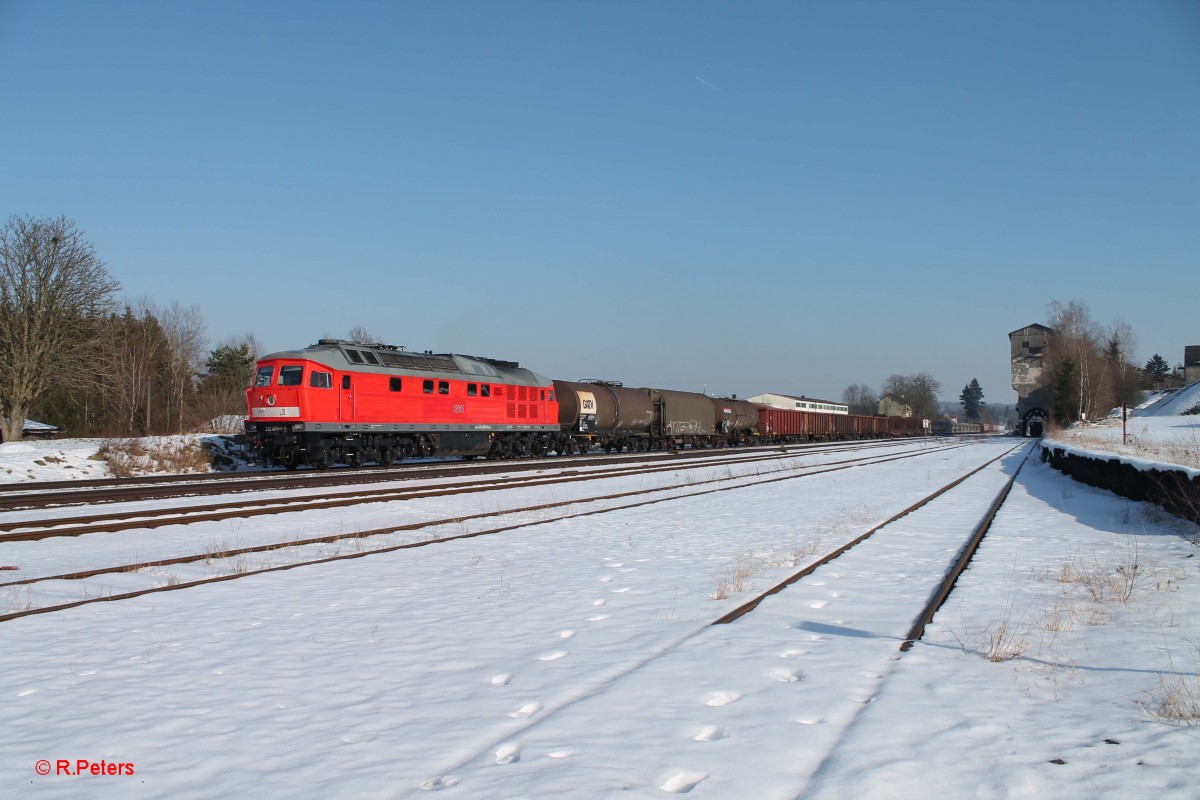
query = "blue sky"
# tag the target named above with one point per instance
(743, 197)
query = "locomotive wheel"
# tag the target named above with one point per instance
(385, 456)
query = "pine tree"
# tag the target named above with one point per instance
(1156, 371)
(971, 400)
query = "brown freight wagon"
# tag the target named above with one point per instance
(604, 414)
(682, 418)
(736, 420)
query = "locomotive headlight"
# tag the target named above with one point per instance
(298, 426)
(270, 399)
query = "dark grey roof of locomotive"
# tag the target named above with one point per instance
(387, 359)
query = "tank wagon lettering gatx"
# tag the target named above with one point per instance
(353, 403)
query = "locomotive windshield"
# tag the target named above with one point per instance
(291, 376)
(263, 377)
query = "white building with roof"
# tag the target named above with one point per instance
(793, 403)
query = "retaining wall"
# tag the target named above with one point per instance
(1172, 489)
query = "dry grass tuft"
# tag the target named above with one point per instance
(128, 457)
(1177, 697)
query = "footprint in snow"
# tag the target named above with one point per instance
(794, 652)
(566, 752)
(872, 675)
(439, 782)
(616, 564)
(555, 656)
(710, 733)
(527, 710)
(566, 634)
(810, 721)
(508, 753)
(784, 675)
(502, 679)
(819, 604)
(606, 578)
(683, 782)
(597, 618)
(716, 699)
(598, 603)
(26, 692)
(621, 591)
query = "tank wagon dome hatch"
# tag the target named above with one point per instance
(344, 354)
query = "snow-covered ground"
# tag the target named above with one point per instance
(575, 658)
(1158, 432)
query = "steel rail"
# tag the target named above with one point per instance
(405, 528)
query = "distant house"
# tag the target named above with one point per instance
(801, 403)
(890, 408)
(1191, 363)
(38, 430)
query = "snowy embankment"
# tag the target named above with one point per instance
(1157, 434)
(33, 460)
(574, 659)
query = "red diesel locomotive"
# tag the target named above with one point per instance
(343, 401)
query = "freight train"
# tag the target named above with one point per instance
(354, 403)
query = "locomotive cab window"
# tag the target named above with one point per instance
(394, 384)
(472, 389)
(427, 387)
(443, 387)
(321, 380)
(485, 390)
(291, 376)
(263, 376)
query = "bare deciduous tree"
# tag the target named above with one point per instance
(919, 392)
(361, 335)
(51, 284)
(184, 330)
(861, 399)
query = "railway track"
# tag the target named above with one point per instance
(50, 592)
(810, 628)
(53, 494)
(17, 526)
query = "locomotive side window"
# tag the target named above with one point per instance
(370, 357)
(263, 377)
(443, 387)
(291, 376)
(394, 384)
(321, 380)
(486, 390)
(472, 390)
(354, 356)
(427, 387)
(543, 394)
(345, 381)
